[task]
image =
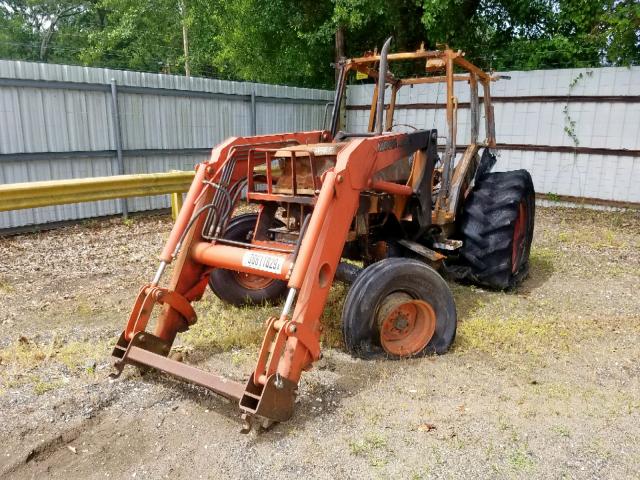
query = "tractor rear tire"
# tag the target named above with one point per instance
(497, 229)
(239, 288)
(399, 308)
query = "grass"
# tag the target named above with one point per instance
(499, 323)
(25, 354)
(372, 446)
(20, 360)
(542, 260)
(490, 322)
(494, 323)
(488, 333)
(40, 387)
(332, 316)
(521, 460)
(6, 287)
(222, 327)
(589, 243)
(561, 430)
(590, 259)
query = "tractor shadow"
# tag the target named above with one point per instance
(469, 296)
(541, 269)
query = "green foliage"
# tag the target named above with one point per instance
(274, 41)
(45, 30)
(293, 42)
(145, 35)
(524, 35)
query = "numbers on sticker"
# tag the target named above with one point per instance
(263, 261)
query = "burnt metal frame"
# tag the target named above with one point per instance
(441, 65)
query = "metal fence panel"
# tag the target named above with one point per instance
(554, 119)
(56, 122)
(57, 130)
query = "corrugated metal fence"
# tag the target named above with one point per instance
(576, 130)
(59, 121)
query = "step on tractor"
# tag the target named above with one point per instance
(387, 211)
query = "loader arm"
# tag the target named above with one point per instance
(292, 342)
(322, 247)
(190, 276)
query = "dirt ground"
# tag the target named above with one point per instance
(543, 382)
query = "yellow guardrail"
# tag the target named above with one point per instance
(16, 196)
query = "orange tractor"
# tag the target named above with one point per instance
(383, 198)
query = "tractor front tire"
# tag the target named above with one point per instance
(399, 308)
(239, 288)
(497, 229)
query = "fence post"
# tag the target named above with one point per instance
(117, 135)
(254, 120)
(176, 204)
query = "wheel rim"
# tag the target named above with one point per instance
(519, 237)
(251, 281)
(406, 324)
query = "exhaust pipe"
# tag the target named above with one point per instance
(382, 79)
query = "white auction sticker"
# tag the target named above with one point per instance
(263, 261)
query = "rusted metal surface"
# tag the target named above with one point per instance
(474, 105)
(372, 107)
(519, 234)
(618, 152)
(406, 325)
(449, 153)
(392, 107)
(420, 249)
(145, 349)
(434, 79)
(461, 177)
(274, 400)
(489, 116)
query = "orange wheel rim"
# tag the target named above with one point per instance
(519, 236)
(251, 281)
(406, 325)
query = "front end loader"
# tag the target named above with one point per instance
(383, 198)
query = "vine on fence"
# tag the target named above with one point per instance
(570, 123)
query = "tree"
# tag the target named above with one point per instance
(504, 34)
(139, 35)
(30, 21)
(294, 42)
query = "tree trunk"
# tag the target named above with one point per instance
(46, 39)
(185, 39)
(185, 42)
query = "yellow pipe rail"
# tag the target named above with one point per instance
(17, 196)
